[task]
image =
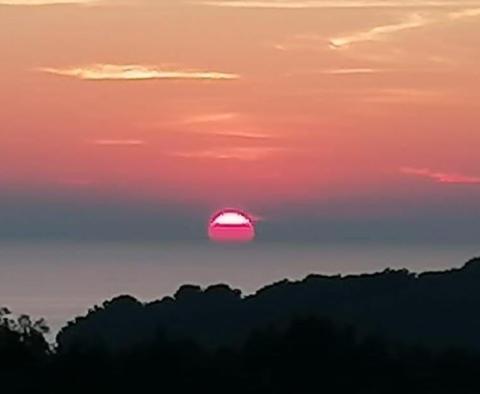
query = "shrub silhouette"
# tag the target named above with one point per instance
(354, 334)
(437, 309)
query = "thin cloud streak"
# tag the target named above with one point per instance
(211, 118)
(341, 72)
(469, 13)
(414, 21)
(272, 4)
(118, 142)
(292, 5)
(46, 2)
(236, 153)
(242, 135)
(352, 71)
(117, 72)
(441, 177)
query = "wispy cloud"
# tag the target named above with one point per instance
(135, 72)
(46, 2)
(235, 153)
(307, 4)
(118, 142)
(412, 22)
(273, 4)
(211, 118)
(441, 177)
(377, 32)
(468, 13)
(351, 71)
(246, 135)
(340, 71)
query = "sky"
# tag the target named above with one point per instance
(323, 119)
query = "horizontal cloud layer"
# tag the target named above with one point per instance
(45, 2)
(236, 153)
(351, 71)
(135, 72)
(441, 177)
(211, 118)
(272, 4)
(118, 142)
(464, 13)
(306, 4)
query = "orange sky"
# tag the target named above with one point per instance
(240, 102)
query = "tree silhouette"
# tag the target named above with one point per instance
(361, 334)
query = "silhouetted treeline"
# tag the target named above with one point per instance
(439, 309)
(310, 355)
(320, 335)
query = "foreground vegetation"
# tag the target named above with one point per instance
(320, 335)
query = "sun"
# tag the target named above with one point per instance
(231, 225)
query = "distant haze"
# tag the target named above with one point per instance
(454, 220)
(60, 280)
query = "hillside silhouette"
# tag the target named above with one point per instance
(385, 333)
(437, 309)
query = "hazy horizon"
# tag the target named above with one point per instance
(61, 280)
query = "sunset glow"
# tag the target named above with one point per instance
(231, 226)
(269, 105)
(196, 194)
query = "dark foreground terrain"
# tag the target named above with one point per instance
(391, 332)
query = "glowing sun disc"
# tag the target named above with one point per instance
(231, 219)
(231, 225)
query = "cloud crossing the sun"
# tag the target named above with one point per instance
(98, 72)
(441, 177)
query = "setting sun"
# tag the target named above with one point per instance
(231, 226)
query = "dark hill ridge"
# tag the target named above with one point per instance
(439, 309)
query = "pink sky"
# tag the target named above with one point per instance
(241, 102)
